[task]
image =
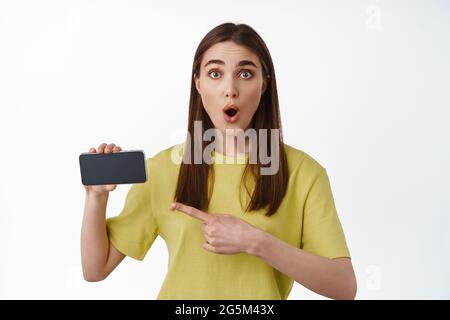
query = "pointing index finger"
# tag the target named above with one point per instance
(193, 212)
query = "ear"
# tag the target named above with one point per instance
(197, 83)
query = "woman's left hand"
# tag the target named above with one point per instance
(224, 233)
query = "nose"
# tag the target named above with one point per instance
(230, 89)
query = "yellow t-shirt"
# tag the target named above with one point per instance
(306, 219)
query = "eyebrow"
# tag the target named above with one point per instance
(240, 63)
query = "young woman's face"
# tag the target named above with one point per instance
(230, 74)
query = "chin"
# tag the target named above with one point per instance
(232, 126)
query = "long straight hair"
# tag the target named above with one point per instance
(195, 181)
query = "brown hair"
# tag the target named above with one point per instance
(194, 186)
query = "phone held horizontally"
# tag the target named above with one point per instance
(124, 167)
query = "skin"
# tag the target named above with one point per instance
(98, 256)
(220, 84)
(227, 234)
(224, 233)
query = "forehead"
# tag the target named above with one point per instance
(230, 53)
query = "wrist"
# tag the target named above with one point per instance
(96, 196)
(257, 242)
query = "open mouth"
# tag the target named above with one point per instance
(231, 113)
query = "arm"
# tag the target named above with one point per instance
(98, 256)
(333, 278)
(226, 234)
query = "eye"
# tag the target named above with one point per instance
(248, 72)
(213, 72)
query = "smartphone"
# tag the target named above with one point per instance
(124, 167)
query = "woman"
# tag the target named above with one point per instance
(233, 230)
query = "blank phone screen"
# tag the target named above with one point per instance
(123, 167)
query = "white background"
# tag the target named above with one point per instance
(363, 87)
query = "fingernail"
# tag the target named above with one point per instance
(172, 205)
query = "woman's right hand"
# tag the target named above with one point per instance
(106, 188)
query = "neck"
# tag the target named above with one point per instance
(232, 146)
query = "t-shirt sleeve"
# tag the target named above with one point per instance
(134, 230)
(322, 230)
